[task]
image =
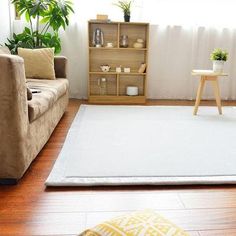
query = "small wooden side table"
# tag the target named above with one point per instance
(208, 75)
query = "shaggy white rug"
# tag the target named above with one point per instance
(115, 145)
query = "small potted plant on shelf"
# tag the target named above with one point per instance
(125, 6)
(219, 56)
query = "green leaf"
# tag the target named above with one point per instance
(27, 16)
(45, 20)
(27, 30)
(33, 11)
(125, 6)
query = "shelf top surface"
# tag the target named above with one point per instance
(117, 22)
(116, 48)
(114, 72)
(118, 96)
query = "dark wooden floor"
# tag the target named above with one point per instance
(30, 209)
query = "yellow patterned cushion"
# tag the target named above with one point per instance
(39, 63)
(144, 223)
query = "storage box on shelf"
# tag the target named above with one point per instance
(113, 54)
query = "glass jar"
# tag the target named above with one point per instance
(102, 83)
(124, 41)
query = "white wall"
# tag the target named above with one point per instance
(4, 21)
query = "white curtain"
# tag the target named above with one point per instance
(175, 51)
(5, 29)
(182, 35)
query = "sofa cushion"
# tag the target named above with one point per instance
(39, 63)
(51, 91)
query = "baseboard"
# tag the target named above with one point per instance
(8, 181)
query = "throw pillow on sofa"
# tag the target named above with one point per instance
(39, 63)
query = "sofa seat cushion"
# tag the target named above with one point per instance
(51, 91)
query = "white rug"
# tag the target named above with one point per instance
(116, 145)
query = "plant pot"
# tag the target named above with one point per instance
(218, 66)
(127, 18)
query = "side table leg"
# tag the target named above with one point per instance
(199, 95)
(216, 88)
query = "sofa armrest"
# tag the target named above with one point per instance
(60, 66)
(13, 113)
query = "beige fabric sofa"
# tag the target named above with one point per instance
(25, 126)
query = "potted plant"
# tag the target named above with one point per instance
(125, 6)
(45, 18)
(218, 56)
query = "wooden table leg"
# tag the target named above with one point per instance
(199, 94)
(216, 88)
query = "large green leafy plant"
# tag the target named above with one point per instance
(45, 18)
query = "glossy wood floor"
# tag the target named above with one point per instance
(31, 209)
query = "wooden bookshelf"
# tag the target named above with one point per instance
(131, 57)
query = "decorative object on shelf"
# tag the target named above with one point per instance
(44, 20)
(102, 17)
(124, 41)
(101, 21)
(98, 39)
(102, 83)
(142, 68)
(109, 45)
(105, 68)
(126, 70)
(118, 69)
(126, 8)
(219, 57)
(139, 43)
(132, 90)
